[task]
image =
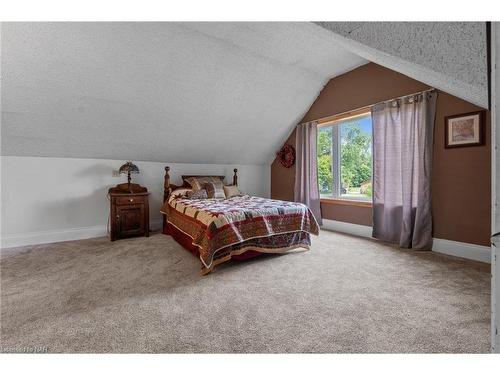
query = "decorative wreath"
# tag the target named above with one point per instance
(286, 156)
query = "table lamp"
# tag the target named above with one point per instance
(129, 168)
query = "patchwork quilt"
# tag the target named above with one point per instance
(216, 224)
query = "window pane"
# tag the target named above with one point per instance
(324, 151)
(356, 158)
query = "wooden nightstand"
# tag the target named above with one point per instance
(129, 211)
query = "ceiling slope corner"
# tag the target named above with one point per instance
(374, 42)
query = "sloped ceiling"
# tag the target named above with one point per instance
(451, 56)
(168, 92)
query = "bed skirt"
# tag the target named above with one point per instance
(276, 244)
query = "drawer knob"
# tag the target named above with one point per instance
(131, 200)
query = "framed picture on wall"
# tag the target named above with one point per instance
(464, 130)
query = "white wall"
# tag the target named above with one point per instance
(57, 199)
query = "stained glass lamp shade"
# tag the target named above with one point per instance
(129, 168)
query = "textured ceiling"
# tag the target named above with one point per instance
(169, 92)
(450, 56)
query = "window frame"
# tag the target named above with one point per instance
(333, 122)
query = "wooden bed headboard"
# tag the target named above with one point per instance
(168, 187)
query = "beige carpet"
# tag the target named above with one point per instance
(147, 295)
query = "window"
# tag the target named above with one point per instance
(345, 157)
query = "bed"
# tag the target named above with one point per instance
(239, 227)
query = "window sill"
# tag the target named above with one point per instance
(346, 202)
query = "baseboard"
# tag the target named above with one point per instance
(455, 248)
(462, 250)
(350, 228)
(35, 238)
(459, 249)
(70, 234)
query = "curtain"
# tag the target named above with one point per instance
(306, 174)
(402, 159)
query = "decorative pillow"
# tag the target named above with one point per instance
(198, 182)
(180, 193)
(215, 191)
(231, 191)
(197, 194)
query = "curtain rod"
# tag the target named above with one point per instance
(402, 97)
(358, 111)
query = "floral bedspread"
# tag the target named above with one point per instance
(214, 224)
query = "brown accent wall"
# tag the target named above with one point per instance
(461, 189)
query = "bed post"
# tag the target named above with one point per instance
(166, 185)
(235, 177)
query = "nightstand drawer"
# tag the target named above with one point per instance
(130, 200)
